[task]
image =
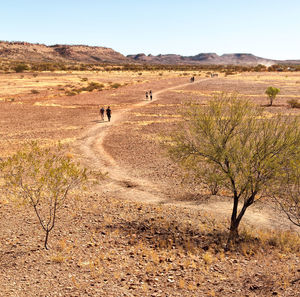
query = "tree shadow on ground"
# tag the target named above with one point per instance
(158, 235)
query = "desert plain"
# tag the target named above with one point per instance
(143, 230)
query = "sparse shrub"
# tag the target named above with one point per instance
(294, 103)
(21, 68)
(115, 85)
(229, 73)
(84, 79)
(34, 74)
(140, 73)
(272, 93)
(42, 179)
(94, 86)
(35, 92)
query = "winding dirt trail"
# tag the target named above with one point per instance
(122, 185)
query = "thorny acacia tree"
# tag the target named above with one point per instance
(247, 148)
(43, 179)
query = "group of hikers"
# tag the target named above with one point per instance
(107, 111)
(149, 95)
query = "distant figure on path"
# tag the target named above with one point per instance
(102, 113)
(108, 113)
(192, 79)
(146, 95)
(150, 92)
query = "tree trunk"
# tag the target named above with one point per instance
(234, 223)
(233, 233)
(46, 239)
(236, 219)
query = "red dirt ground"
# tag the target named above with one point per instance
(140, 232)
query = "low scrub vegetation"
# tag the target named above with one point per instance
(20, 68)
(115, 85)
(59, 66)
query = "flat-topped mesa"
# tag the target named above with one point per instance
(245, 59)
(34, 52)
(204, 57)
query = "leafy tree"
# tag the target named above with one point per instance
(272, 93)
(43, 179)
(233, 136)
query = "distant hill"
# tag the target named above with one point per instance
(24, 51)
(31, 52)
(204, 58)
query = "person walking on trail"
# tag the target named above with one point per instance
(102, 113)
(150, 92)
(146, 95)
(108, 113)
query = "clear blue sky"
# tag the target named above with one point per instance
(267, 28)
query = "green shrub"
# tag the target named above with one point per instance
(272, 93)
(93, 86)
(115, 85)
(21, 68)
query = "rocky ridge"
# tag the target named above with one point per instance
(34, 52)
